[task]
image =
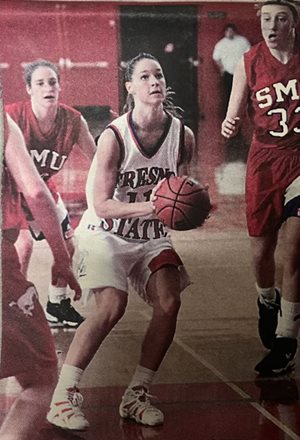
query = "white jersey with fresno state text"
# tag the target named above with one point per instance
(138, 174)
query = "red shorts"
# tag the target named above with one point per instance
(269, 172)
(27, 342)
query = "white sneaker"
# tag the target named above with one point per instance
(136, 405)
(66, 413)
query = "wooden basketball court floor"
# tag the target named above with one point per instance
(206, 385)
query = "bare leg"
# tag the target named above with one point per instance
(281, 357)
(164, 293)
(28, 412)
(65, 410)
(263, 256)
(111, 305)
(163, 290)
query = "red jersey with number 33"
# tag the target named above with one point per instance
(275, 97)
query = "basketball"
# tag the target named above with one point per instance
(182, 203)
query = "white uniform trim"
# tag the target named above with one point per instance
(292, 191)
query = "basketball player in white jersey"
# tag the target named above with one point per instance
(120, 238)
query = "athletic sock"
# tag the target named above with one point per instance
(288, 320)
(69, 377)
(142, 376)
(266, 293)
(56, 294)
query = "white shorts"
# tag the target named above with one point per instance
(105, 260)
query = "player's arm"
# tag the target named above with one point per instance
(237, 102)
(187, 153)
(39, 201)
(85, 140)
(104, 181)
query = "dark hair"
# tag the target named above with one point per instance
(168, 102)
(293, 5)
(230, 26)
(31, 67)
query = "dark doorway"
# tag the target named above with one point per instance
(170, 34)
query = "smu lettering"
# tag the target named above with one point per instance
(48, 159)
(280, 93)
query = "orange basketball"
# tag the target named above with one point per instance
(182, 203)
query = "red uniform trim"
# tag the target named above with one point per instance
(168, 257)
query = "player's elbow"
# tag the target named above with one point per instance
(102, 208)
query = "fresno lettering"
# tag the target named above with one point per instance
(143, 177)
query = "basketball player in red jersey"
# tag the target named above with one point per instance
(27, 348)
(267, 79)
(51, 130)
(120, 237)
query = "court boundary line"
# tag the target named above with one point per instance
(200, 359)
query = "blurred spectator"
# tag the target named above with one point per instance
(226, 54)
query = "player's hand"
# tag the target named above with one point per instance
(230, 127)
(65, 272)
(153, 193)
(156, 188)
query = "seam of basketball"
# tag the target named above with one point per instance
(186, 218)
(176, 198)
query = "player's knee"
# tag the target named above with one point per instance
(112, 304)
(263, 250)
(167, 305)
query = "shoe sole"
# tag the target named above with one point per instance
(289, 367)
(64, 426)
(54, 322)
(125, 415)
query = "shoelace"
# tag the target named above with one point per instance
(269, 304)
(75, 398)
(141, 400)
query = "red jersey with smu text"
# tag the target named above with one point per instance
(26, 340)
(274, 156)
(274, 97)
(49, 151)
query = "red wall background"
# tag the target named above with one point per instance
(212, 17)
(64, 33)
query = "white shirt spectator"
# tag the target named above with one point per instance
(228, 51)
